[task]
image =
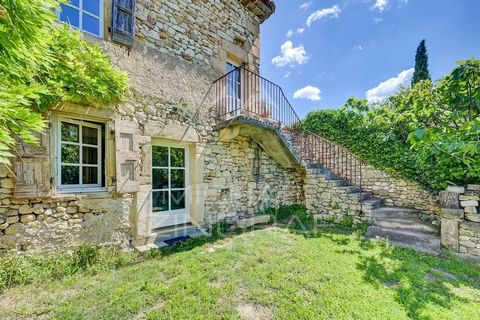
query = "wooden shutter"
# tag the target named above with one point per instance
(32, 170)
(123, 22)
(127, 162)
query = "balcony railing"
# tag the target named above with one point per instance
(244, 93)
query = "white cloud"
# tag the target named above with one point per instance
(287, 74)
(380, 5)
(290, 55)
(358, 47)
(378, 20)
(289, 33)
(300, 30)
(305, 6)
(319, 14)
(389, 87)
(309, 92)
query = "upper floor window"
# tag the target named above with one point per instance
(86, 15)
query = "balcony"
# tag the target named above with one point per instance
(250, 105)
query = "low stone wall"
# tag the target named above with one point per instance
(330, 202)
(461, 219)
(60, 222)
(398, 192)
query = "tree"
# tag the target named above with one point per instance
(421, 64)
(42, 63)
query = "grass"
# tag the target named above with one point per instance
(273, 273)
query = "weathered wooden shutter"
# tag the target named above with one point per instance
(32, 170)
(123, 22)
(127, 138)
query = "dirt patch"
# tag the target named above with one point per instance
(254, 312)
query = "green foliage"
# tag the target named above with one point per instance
(295, 214)
(346, 222)
(21, 270)
(429, 133)
(421, 72)
(42, 63)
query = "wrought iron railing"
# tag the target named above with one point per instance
(242, 92)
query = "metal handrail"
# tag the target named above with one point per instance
(242, 92)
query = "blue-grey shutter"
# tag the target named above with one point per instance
(123, 22)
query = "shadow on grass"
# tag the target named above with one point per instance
(419, 280)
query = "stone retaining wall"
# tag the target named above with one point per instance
(461, 219)
(330, 202)
(399, 192)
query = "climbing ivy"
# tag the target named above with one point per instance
(429, 133)
(42, 62)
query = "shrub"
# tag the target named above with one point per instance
(429, 133)
(295, 214)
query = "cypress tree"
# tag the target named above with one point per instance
(421, 64)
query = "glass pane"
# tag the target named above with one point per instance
(178, 199)
(159, 156)
(70, 15)
(70, 153)
(92, 6)
(91, 24)
(75, 2)
(90, 155)
(90, 135)
(178, 178)
(70, 132)
(90, 175)
(70, 175)
(177, 157)
(160, 179)
(160, 201)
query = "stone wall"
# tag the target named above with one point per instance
(201, 31)
(399, 192)
(60, 222)
(461, 219)
(243, 180)
(331, 202)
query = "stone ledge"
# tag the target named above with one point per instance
(249, 222)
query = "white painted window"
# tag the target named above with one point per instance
(79, 146)
(170, 180)
(85, 15)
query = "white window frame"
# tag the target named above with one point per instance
(80, 17)
(177, 216)
(81, 187)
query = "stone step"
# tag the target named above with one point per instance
(397, 212)
(349, 189)
(372, 203)
(177, 232)
(337, 183)
(407, 238)
(403, 222)
(363, 195)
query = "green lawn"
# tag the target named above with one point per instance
(272, 273)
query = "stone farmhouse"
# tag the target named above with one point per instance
(201, 138)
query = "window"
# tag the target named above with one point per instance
(80, 146)
(169, 178)
(86, 15)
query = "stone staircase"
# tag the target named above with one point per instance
(402, 226)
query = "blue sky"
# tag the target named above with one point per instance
(351, 47)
